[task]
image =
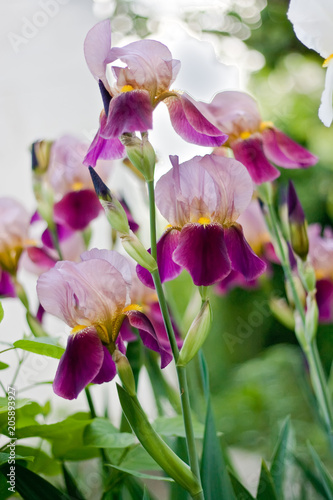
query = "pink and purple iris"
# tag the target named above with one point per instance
(254, 143)
(202, 200)
(93, 298)
(140, 85)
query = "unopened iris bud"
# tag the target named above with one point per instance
(114, 211)
(299, 290)
(196, 335)
(124, 371)
(137, 251)
(40, 156)
(297, 224)
(141, 153)
(282, 312)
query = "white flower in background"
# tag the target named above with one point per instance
(313, 24)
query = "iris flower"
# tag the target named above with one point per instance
(313, 25)
(142, 80)
(254, 143)
(93, 298)
(202, 200)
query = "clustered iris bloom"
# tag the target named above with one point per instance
(202, 200)
(93, 298)
(254, 143)
(139, 87)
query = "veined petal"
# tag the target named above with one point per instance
(96, 48)
(191, 124)
(103, 149)
(242, 257)
(285, 152)
(129, 112)
(203, 253)
(168, 269)
(79, 365)
(108, 369)
(77, 209)
(250, 153)
(325, 110)
(148, 335)
(312, 22)
(120, 262)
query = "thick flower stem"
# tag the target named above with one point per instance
(307, 342)
(181, 371)
(94, 415)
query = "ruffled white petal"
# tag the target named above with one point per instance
(313, 24)
(326, 107)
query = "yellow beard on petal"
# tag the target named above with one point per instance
(126, 88)
(204, 221)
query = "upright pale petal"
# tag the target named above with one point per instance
(325, 110)
(79, 365)
(96, 48)
(120, 262)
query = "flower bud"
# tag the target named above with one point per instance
(196, 334)
(40, 156)
(137, 251)
(141, 154)
(115, 213)
(282, 312)
(299, 290)
(297, 224)
(124, 371)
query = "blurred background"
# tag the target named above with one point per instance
(257, 372)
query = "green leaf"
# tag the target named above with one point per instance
(46, 346)
(239, 489)
(174, 426)
(136, 458)
(42, 462)
(266, 489)
(310, 476)
(61, 430)
(19, 403)
(31, 486)
(325, 477)
(6, 457)
(102, 434)
(71, 486)
(3, 366)
(214, 475)
(141, 475)
(1, 312)
(280, 457)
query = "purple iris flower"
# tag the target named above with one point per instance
(142, 80)
(202, 200)
(93, 298)
(255, 143)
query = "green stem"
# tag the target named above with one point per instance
(310, 349)
(94, 415)
(181, 373)
(55, 241)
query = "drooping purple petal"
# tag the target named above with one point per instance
(103, 149)
(79, 365)
(168, 269)
(324, 298)
(203, 253)
(40, 257)
(77, 209)
(190, 124)
(7, 288)
(96, 48)
(148, 335)
(155, 316)
(241, 255)
(285, 152)
(125, 332)
(250, 152)
(108, 369)
(233, 280)
(63, 232)
(129, 112)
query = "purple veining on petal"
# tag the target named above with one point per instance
(250, 153)
(148, 335)
(129, 112)
(284, 152)
(241, 255)
(103, 149)
(168, 269)
(203, 253)
(77, 209)
(79, 365)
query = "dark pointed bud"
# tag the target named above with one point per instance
(291, 256)
(40, 156)
(141, 153)
(125, 372)
(115, 213)
(105, 96)
(297, 224)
